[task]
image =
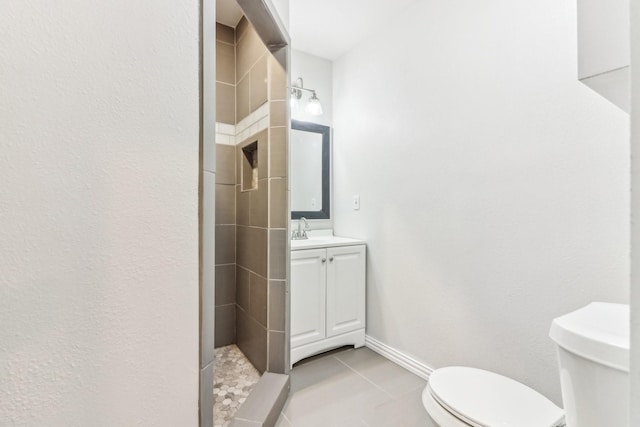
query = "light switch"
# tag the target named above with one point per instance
(356, 202)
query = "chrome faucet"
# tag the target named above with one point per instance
(301, 234)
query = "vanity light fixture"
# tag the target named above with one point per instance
(313, 105)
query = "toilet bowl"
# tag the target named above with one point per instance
(593, 357)
(459, 396)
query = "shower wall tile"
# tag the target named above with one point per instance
(243, 206)
(278, 152)
(206, 396)
(252, 340)
(225, 284)
(277, 305)
(278, 254)
(243, 98)
(278, 113)
(208, 271)
(248, 50)
(225, 164)
(277, 352)
(259, 85)
(225, 103)
(258, 299)
(263, 153)
(260, 204)
(243, 277)
(225, 34)
(277, 80)
(225, 204)
(241, 28)
(278, 206)
(225, 63)
(225, 325)
(225, 244)
(252, 249)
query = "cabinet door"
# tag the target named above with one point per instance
(345, 289)
(308, 296)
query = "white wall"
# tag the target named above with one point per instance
(99, 213)
(635, 213)
(282, 7)
(317, 74)
(494, 186)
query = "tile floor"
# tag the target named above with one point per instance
(234, 378)
(354, 388)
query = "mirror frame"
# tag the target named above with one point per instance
(325, 131)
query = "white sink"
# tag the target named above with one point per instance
(323, 241)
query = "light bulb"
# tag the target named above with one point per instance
(313, 106)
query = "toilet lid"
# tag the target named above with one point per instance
(486, 399)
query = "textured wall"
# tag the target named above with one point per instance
(635, 213)
(98, 208)
(494, 186)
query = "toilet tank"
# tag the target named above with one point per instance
(593, 356)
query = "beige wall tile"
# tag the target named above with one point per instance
(277, 305)
(225, 284)
(241, 28)
(278, 112)
(225, 103)
(243, 101)
(225, 34)
(277, 254)
(259, 84)
(252, 249)
(225, 244)
(225, 325)
(251, 338)
(278, 206)
(242, 287)
(278, 152)
(277, 80)
(225, 164)
(243, 206)
(258, 299)
(248, 50)
(263, 153)
(277, 348)
(260, 204)
(225, 204)
(225, 63)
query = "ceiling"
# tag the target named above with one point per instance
(326, 28)
(331, 28)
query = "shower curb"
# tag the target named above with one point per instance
(265, 402)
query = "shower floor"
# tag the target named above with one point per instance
(234, 378)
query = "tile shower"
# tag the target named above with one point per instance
(251, 211)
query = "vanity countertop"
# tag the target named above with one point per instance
(322, 240)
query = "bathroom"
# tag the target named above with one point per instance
(493, 193)
(489, 206)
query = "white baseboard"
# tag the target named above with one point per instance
(398, 357)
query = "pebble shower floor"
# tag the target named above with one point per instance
(234, 378)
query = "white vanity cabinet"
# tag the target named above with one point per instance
(327, 298)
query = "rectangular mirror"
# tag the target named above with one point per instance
(309, 159)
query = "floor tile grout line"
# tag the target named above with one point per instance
(365, 378)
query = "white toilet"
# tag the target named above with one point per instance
(593, 355)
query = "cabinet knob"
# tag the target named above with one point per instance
(324, 260)
(331, 259)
